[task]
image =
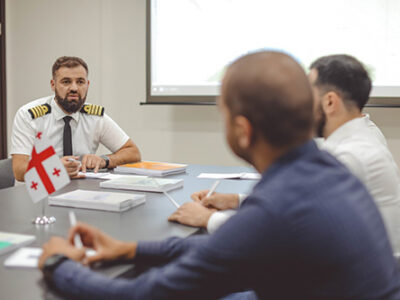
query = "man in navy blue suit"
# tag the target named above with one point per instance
(308, 230)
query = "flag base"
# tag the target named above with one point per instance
(44, 220)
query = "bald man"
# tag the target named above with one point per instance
(301, 233)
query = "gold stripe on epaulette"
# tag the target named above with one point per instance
(39, 110)
(92, 109)
(32, 111)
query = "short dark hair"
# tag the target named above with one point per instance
(345, 75)
(69, 62)
(272, 91)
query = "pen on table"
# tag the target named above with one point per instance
(171, 199)
(213, 188)
(77, 238)
(167, 195)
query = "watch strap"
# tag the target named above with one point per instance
(106, 159)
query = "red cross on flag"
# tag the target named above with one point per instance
(46, 173)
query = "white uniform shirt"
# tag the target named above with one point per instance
(375, 129)
(361, 147)
(87, 130)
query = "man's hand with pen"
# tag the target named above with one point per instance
(105, 247)
(72, 165)
(75, 164)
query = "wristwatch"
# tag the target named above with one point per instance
(50, 264)
(106, 159)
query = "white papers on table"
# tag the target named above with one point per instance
(98, 200)
(251, 176)
(99, 175)
(26, 257)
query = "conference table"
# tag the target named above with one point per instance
(144, 222)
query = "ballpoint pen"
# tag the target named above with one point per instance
(213, 188)
(166, 194)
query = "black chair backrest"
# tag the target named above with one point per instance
(6, 173)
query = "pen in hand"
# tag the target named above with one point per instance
(74, 160)
(77, 238)
(213, 188)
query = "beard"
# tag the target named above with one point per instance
(320, 122)
(70, 106)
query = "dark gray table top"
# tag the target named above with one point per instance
(145, 222)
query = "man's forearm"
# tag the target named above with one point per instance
(72, 278)
(20, 164)
(159, 252)
(128, 153)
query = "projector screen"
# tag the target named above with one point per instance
(191, 42)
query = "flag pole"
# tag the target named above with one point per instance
(44, 220)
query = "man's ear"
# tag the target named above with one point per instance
(331, 102)
(243, 131)
(53, 85)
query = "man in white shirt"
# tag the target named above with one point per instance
(341, 87)
(75, 129)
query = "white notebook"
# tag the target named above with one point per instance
(142, 183)
(11, 241)
(98, 200)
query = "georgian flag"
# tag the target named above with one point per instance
(45, 173)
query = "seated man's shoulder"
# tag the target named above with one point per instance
(89, 109)
(365, 150)
(36, 108)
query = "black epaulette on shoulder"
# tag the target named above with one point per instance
(92, 109)
(39, 110)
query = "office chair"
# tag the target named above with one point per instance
(6, 173)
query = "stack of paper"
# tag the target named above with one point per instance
(10, 241)
(98, 200)
(142, 183)
(152, 168)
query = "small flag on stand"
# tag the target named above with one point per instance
(45, 173)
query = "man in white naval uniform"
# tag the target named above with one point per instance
(75, 129)
(341, 88)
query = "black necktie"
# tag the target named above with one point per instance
(67, 136)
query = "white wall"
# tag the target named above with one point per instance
(110, 36)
